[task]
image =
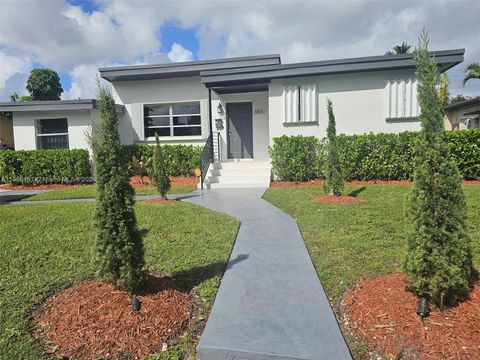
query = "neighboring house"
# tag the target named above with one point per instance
(463, 115)
(239, 105)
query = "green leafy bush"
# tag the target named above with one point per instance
(296, 158)
(383, 156)
(30, 167)
(180, 160)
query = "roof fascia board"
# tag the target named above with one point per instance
(61, 105)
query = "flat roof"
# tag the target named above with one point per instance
(264, 68)
(463, 103)
(55, 105)
(183, 69)
(445, 60)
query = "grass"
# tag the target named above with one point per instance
(47, 246)
(351, 242)
(88, 191)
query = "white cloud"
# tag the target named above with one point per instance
(179, 54)
(67, 39)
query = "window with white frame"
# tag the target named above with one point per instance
(172, 120)
(401, 99)
(300, 103)
(52, 133)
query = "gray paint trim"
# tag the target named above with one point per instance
(58, 105)
(300, 123)
(183, 69)
(445, 59)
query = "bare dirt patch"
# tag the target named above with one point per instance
(92, 319)
(330, 199)
(382, 313)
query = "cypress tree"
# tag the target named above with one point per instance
(439, 257)
(160, 176)
(333, 171)
(119, 252)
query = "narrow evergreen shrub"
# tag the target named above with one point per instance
(333, 171)
(159, 171)
(32, 167)
(439, 257)
(295, 158)
(119, 252)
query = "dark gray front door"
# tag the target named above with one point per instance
(239, 128)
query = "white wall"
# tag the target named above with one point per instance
(358, 103)
(260, 121)
(134, 94)
(79, 122)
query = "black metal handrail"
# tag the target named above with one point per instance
(206, 158)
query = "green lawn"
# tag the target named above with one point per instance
(350, 242)
(46, 246)
(88, 191)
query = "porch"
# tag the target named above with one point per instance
(236, 152)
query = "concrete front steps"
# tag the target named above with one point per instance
(238, 174)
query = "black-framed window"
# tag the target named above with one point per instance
(171, 120)
(52, 133)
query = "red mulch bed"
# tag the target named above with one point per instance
(159, 201)
(134, 181)
(382, 313)
(330, 199)
(41, 187)
(93, 318)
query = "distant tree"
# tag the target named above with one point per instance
(25, 98)
(472, 72)
(458, 98)
(119, 251)
(439, 256)
(333, 171)
(444, 82)
(159, 173)
(13, 97)
(404, 48)
(44, 84)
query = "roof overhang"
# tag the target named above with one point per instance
(183, 69)
(473, 112)
(463, 103)
(58, 105)
(445, 60)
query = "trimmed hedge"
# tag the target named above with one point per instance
(369, 156)
(180, 160)
(31, 167)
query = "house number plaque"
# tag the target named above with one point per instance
(260, 111)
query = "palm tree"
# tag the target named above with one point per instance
(400, 49)
(472, 72)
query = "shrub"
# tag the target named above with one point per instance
(388, 156)
(295, 158)
(439, 257)
(159, 173)
(31, 167)
(181, 160)
(119, 252)
(333, 170)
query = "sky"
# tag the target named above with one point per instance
(76, 37)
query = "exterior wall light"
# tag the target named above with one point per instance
(220, 109)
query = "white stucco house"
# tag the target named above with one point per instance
(237, 106)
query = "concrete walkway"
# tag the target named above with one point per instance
(270, 304)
